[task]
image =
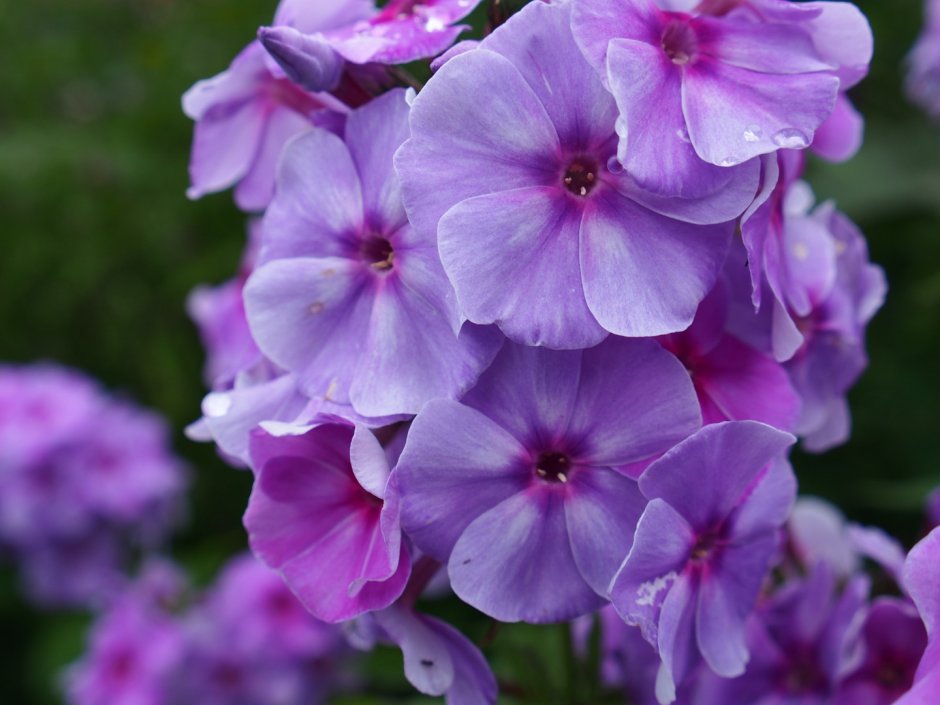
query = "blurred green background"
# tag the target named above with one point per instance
(99, 247)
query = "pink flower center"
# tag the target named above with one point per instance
(553, 466)
(378, 253)
(679, 42)
(581, 176)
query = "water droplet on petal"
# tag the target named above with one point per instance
(614, 166)
(683, 134)
(753, 133)
(791, 138)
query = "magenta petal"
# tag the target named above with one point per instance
(463, 159)
(734, 114)
(614, 375)
(645, 274)
(515, 562)
(456, 464)
(656, 150)
(601, 511)
(741, 383)
(521, 270)
(319, 199)
(661, 548)
(722, 460)
(308, 315)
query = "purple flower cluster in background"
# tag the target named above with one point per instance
(86, 479)
(544, 329)
(243, 641)
(923, 78)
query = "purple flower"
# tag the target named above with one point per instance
(401, 32)
(933, 508)
(536, 233)
(134, 652)
(893, 640)
(514, 485)
(923, 79)
(802, 641)
(704, 545)
(720, 86)
(921, 580)
(348, 296)
(42, 406)
(732, 379)
(263, 616)
(324, 497)
(832, 354)
(439, 660)
(246, 114)
(818, 532)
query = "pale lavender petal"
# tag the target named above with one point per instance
(521, 270)
(456, 464)
(734, 114)
(726, 599)
(877, 545)
(411, 353)
(256, 189)
(536, 406)
(515, 562)
(594, 24)
(373, 134)
(464, 159)
(645, 274)
(657, 150)
(843, 37)
(308, 315)
(369, 462)
(770, 48)
(722, 461)
(768, 505)
(539, 43)
(677, 646)
(319, 200)
(661, 547)
(618, 430)
(601, 511)
(428, 663)
(224, 146)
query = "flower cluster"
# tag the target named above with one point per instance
(84, 479)
(245, 640)
(923, 79)
(549, 324)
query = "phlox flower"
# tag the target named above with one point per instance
(325, 497)
(535, 232)
(923, 79)
(514, 485)
(347, 295)
(802, 641)
(400, 32)
(246, 114)
(716, 84)
(704, 545)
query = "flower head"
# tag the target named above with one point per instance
(515, 487)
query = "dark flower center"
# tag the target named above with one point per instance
(803, 676)
(581, 176)
(679, 42)
(705, 546)
(378, 252)
(553, 466)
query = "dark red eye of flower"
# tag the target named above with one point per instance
(581, 176)
(679, 42)
(553, 467)
(378, 252)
